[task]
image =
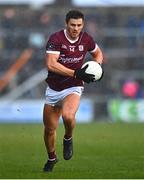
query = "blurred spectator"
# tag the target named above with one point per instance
(91, 27)
(8, 21)
(142, 24)
(141, 37)
(132, 89)
(132, 24)
(112, 20)
(45, 20)
(8, 26)
(36, 40)
(1, 39)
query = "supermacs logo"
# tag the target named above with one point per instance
(67, 60)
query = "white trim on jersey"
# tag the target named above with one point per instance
(96, 46)
(71, 41)
(53, 52)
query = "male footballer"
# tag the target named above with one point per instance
(65, 55)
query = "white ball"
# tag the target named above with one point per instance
(93, 68)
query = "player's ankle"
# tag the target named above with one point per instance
(52, 156)
(67, 137)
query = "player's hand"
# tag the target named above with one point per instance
(81, 74)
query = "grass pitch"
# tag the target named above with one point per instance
(101, 150)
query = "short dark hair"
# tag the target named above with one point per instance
(74, 14)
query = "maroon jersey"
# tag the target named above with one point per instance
(71, 55)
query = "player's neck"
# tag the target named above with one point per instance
(69, 37)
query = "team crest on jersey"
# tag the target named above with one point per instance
(81, 47)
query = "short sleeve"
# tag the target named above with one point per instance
(53, 45)
(92, 46)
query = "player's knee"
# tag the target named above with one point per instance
(49, 131)
(68, 116)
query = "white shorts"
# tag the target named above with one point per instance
(55, 97)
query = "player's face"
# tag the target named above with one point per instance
(74, 27)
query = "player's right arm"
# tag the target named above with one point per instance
(53, 49)
(54, 66)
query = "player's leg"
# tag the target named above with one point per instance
(69, 108)
(51, 116)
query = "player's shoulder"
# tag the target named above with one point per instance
(87, 35)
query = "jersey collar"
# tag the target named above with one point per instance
(71, 41)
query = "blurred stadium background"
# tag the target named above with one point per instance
(118, 28)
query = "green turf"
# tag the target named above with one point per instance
(101, 150)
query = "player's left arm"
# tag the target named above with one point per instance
(97, 55)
